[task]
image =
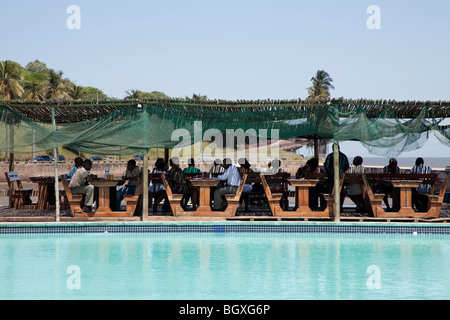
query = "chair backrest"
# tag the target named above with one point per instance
(11, 177)
(166, 185)
(65, 184)
(266, 187)
(241, 187)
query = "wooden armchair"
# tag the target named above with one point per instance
(19, 197)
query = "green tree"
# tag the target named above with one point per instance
(9, 80)
(77, 92)
(321, 85)
(133, 94)
(37, 66)
(56, 87)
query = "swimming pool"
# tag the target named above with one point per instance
(224, 261)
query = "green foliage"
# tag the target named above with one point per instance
(37, 82)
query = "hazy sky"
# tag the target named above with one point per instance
(239, 49)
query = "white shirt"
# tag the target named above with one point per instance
(79, 178)
(232, 176)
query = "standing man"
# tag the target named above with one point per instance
(329, 168)
(233, 179)
(79, 184)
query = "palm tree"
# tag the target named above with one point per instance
(320, 90)
(56, 88)
(77, 92)
(9, 80)
(35, 91)
(133, 94)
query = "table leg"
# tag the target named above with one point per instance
(406, 200)
(302, 199)
(103, 199)
(205, 199)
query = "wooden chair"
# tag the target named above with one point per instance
(272, 198)
(74, 200)
(174, 198)
(19, 197)
(233, 200)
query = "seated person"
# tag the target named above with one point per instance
(78, 162)
(133, 175)
(217, 167)
(419, 198)
(79, 184)
(274, 167)
(387, 188)
(233, 179)
(191, 169)
(244, 167)
(353, 190)
(158, 190)
(179, 185)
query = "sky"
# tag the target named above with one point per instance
(240, 49)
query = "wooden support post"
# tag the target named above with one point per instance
(166, 156)
(337, 193)
(55, 164)
(145, 187)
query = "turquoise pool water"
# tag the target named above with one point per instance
(224, 266)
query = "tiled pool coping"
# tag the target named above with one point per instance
(224, 227)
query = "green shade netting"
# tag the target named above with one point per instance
(133, 130)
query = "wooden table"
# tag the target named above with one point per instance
(302, 193)
(205, 192)
(46, 197)
(104, 194)
(405, 187)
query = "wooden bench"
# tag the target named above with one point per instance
(233, 200)
(435, 200)
(19, 197)
(74, 200)
(75, 203)
(174, 198)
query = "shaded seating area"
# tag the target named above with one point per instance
(124, 127)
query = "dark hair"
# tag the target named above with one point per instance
(78, 160)
(132, 162)
(357, 161)
(160, 164)
(191, 162)
(419, 161)
(313, 163)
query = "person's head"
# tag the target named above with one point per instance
(244, 163)
(226, 163)
(393, 162)
(191, 162)
(131, 164)
(313, 163)
(357, 161)
(419, 161)
(217, 162)
(160, 164)
(276, 164)
(78, 162)
(174, 162)
(87, 164)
